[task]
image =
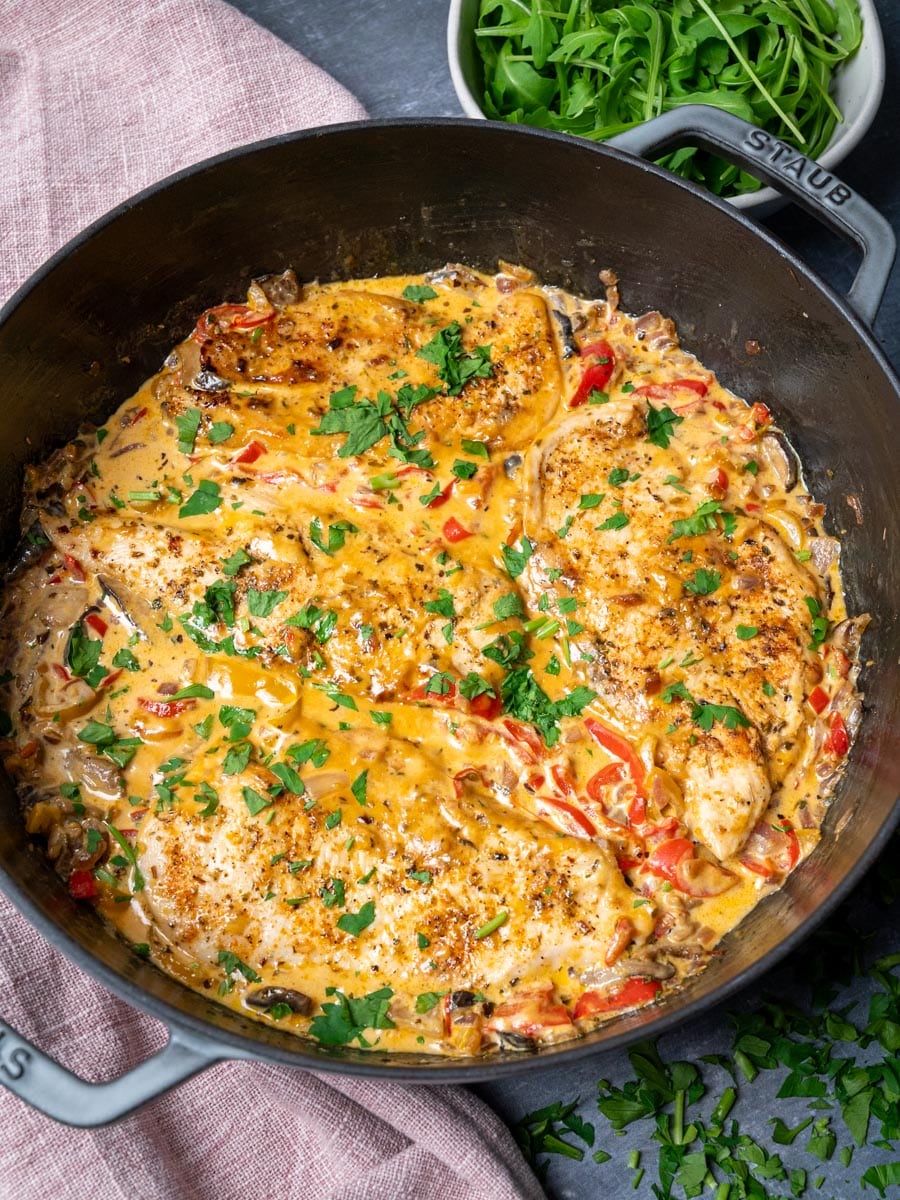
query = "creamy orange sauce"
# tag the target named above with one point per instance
(368, 647)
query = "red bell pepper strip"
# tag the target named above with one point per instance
(82, 885)
(818, 699)
(454, 532)
(467, 773)
(612, 773)
(488, 707)
(563, 780)
(526, 739)
(620, 995)
(664, 860)
(581, 820)
(838, 740)
(165, 708)
(250, 453)
(597, 374)
(617, 745)
(96, 623)
(229, 316)
(661, 391)
(74, 568)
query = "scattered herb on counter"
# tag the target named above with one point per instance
(837, 1060)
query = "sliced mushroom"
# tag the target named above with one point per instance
(569, 347)
(208, 381)
(512, 464)
(847, 635)
(626, 969)
(116, 597)
(268, 997)
(823, 551)
(778, 454)
(515, 1041)
(279, 290)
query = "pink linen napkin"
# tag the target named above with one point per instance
(98, 100)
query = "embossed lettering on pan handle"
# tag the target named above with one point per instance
(815, 188)
(44, 1084)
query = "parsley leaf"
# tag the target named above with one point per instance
(509, 605)
(746, 632)
(703, 520)
(456, 366)
(515, 560)
(348, 1017)
(220, 431)
(205, 499)
(355, 923)
(322, 622)
(187, 425)
(617, 521)
(233, 564)
(418, 292)
(479, 449)
(705, 715)
(524, 699)
(230, 963)
(261, 604)
(83, 656)
(463, 469)
(359, 787)
(443, 606)
(661, 424)
(254, 801)
(336, 535)
(703, 583)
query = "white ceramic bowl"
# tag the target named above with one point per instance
(858, 85)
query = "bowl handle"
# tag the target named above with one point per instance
(814, 188)
(41, 1082)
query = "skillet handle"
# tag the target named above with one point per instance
(813, 187)
(41, 1082)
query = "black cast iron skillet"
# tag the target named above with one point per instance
(392, 197)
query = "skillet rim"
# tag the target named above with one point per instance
(398, 1067)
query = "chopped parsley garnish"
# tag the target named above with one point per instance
(475, 685)
(746, 632)
(420, 876)
(768, 688)
(125, 660)
(426, 1001)
(595, 396)
(355, 923)
(702, 714)
(347, 1018)
(254, 801)
(514, 560)
(674, 482)
(418, 293)
(479, 449)
(703, 520)
(381, 718)
(819, 623)
(205, 499)
(661, 424)
(524, 699)
(288, 778)
(262, 604)
(439, 684)
(314, 751)
(456, 366)
(333, 819)
(205, 792)
(118, 750)
(619, 476)
(129, 857)
(443, 606)
(233, 564)
(333, 894)
(195, 691)
(220, 431)
(230, 963)
(359, 787)
(336, 535)
(703, 583)
(565, 527)
(187, 425)
(322, 622)
(591, 500)
(509, 649)
(83, 656)
(509, 605)
(752, 466)
(462, 469)
(366, 422)
(427, 497)
(617, 521)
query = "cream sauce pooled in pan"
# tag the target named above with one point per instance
(443, 662)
